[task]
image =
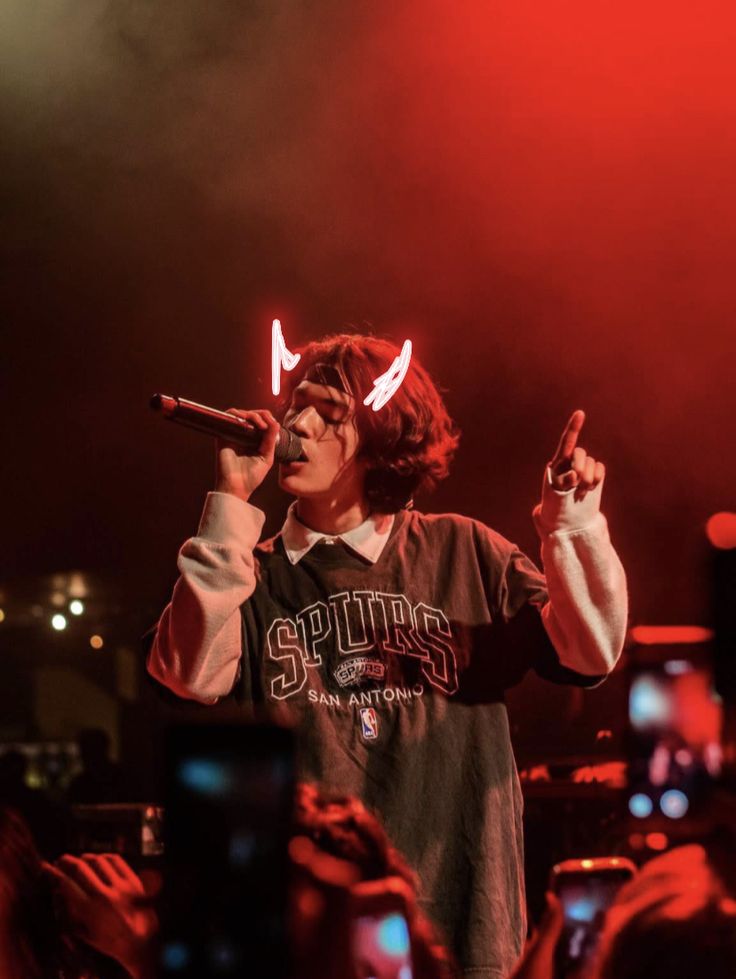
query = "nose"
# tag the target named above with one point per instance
(306, 423)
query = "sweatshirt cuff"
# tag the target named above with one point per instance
(226, 518)
(560, 511)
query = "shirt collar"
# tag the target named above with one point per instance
(368, 540)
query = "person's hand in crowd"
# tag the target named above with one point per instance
(107, 908)
(538, 958)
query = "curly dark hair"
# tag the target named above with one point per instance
(410, 441)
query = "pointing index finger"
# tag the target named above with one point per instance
(569, 438)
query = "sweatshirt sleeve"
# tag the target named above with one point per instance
(197, 644)
(586, 613)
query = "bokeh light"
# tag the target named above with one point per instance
(640, 805)
(206, 776)
(674, 804)
(721, 530)
(670, 635)
(648, 702)
(175, 955)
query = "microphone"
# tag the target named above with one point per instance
(222, 425)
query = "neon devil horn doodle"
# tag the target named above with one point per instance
(384, 387)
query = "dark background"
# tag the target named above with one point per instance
(541, 196)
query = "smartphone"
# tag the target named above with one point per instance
(674, 734)
(133, 830)
(586, 889)
(380, 942)
(228, 802)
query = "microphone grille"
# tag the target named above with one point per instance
(288, 447)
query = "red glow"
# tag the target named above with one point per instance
(657, 841)
(669, 635)
(721, 530)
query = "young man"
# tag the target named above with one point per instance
(389, 636)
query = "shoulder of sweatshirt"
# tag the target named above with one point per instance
(461, 530)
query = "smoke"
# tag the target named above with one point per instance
(539, 195)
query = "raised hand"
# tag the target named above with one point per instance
(107, 908)
(571, 466)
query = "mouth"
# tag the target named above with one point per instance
(293, 467)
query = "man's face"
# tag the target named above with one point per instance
(324, 418)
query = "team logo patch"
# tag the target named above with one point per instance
(356, 669)
(368, 723)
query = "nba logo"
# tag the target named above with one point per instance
(369, 723)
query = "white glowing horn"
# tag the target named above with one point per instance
(281, 356)
(386, 386)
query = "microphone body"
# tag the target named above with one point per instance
(220, 424)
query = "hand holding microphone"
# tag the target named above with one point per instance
(239, 470)
(248, 442)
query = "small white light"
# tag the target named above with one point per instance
(76, 607)
(58, 622)
(674, 803)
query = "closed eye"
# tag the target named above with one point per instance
(324, 412)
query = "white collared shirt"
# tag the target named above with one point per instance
(368, 539)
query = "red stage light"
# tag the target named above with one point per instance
(721, 530)
(657, 841)
(667, 635)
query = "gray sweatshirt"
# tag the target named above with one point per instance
(390, 648)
